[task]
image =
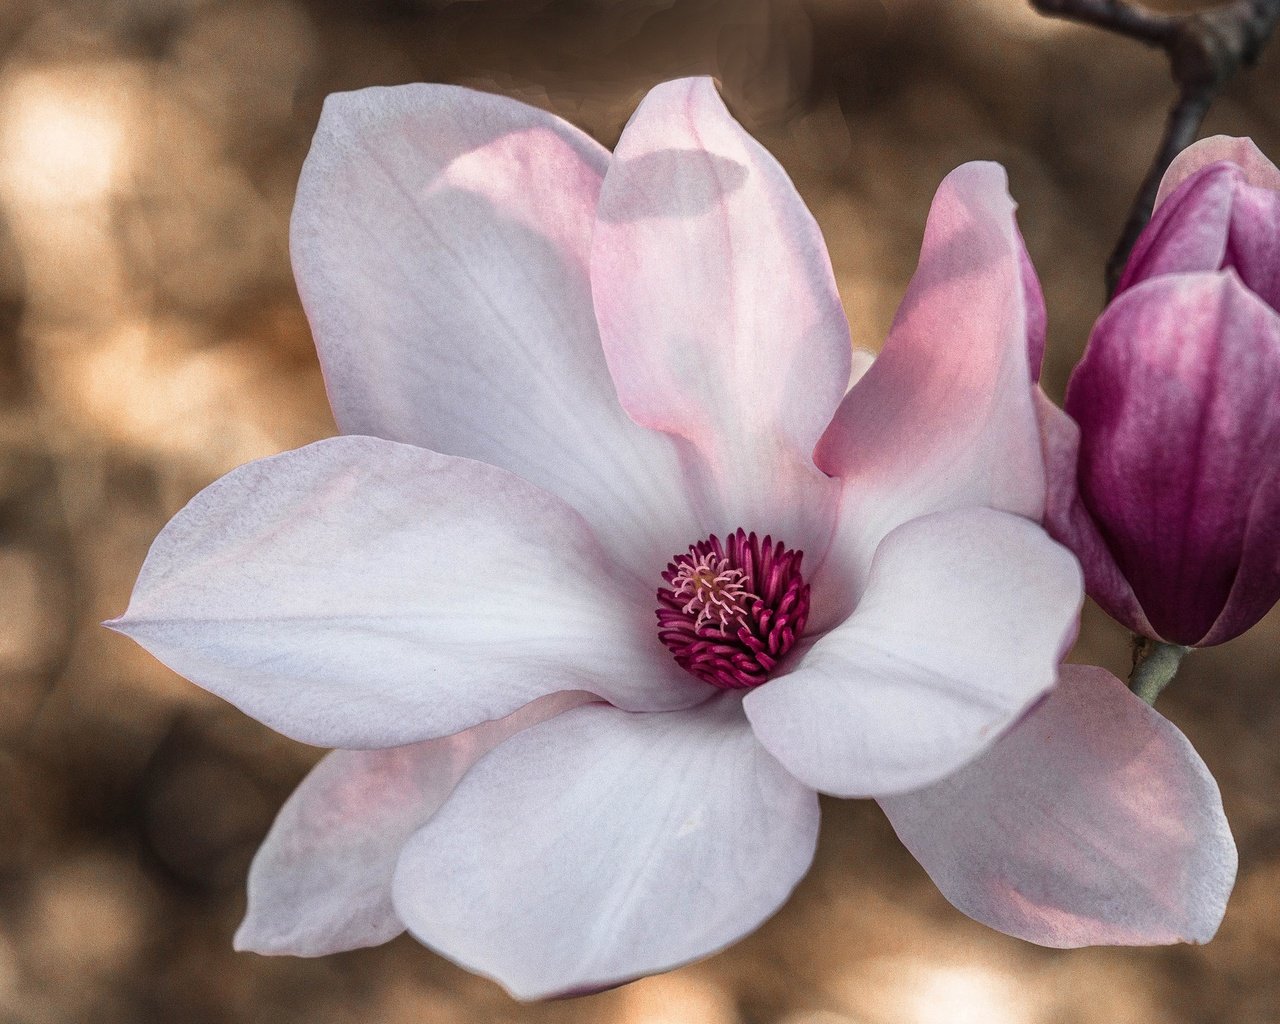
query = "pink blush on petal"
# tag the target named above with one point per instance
(733, 610)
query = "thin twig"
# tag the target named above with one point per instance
(1185, 118)
(1205, 51)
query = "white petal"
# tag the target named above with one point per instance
(361, 593)
(719, 312)
(601, 846)
(1091, 822)
(441, 240)
(321, 881)
(964, 620)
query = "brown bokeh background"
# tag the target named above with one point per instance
(151, 339)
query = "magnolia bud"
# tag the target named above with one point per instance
(1165, 470)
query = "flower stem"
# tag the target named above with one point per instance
(1155, 663)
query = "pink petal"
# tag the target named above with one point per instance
(964, 620)
(361, 593)
(441, 242)
(1253, 246)
(944, 418)
(719, 312)
(1070, 523)
(1257, 585)
(1091, 822)
(1214, 220)
(602, 846)
(1037, 314)
(1258, 170)
(1189, 232)
(321, 881)
(1180, 430)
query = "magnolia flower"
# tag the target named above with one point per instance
(1174, 503)
(609, 575)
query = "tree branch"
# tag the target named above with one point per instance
(1185, 117)
(1205, 51)
(1125, 19)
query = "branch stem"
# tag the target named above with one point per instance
(1184, 121)
(1125, 19)
(1205, 51)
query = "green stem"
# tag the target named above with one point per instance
(1155, 663)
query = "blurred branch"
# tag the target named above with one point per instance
(1205, 51)
(1125, 19)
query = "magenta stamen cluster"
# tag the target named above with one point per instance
(732, 610)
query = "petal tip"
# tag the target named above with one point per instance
(691, 93)
(988, 175)
(254, 936)
(690, 84)
(249, 939)
(1241, 151)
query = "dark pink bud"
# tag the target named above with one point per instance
(1178, 402)
(1164, 478)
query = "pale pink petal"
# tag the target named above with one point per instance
(962, 625)
(601, 846)
(862, 360)
(1091, 822)
(1037, 313)
(1070, 523)
(362, 593)
(719, 312)
(321, 881)
(441, 241)
(1242, 152)
(944, 418)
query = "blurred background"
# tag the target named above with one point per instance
(151, 339)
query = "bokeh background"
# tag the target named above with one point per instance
(151, 339)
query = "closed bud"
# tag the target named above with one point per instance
(1165, 472)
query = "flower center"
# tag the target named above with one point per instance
(731, 610)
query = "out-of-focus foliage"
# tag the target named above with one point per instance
(150, 339)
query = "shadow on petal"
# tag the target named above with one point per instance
(693, 181)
